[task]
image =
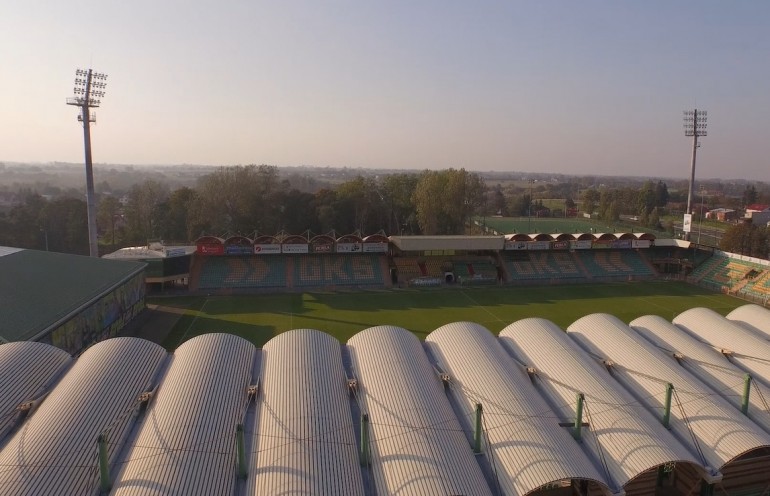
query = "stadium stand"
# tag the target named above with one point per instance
(729, 274)
(242, 271)
(408, 269)
(337, 270)
(604, 264)
(522, 266)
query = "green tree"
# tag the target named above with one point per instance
(590, 198)
(745, 239)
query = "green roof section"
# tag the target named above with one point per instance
(38, 289)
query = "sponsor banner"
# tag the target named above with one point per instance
(560, 245)
(582, 244)
(322, 248)
(622, 243)
(640, 243)
(175, 252)
(375, 247)
(687, 223)
(295, 248)
(602, 244)
(211, 249)
(349, 248)
(538, 245)
(267, 249)
(516, 245)
(238, 250)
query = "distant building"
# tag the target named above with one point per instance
(722, 214)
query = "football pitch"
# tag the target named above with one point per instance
(259, 317)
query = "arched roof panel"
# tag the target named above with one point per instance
(56, 450)
(722, 433)
(186, 444)
(627, 436)
(27, 370)
(304, 441)
(704, 362)
(529, 448)
(417, 445)
(753, 315)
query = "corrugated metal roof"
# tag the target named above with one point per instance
(524, 439)
(705, 363)
(417, 445)
(39, 288)
(304, 442)
(186, 443)
(643, 369)
(755, 316)
(620, 430)
(55, 452)
(27, 370)
(422, 243)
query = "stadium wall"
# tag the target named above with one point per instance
(102, 318)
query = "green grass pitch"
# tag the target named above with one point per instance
(259, 317)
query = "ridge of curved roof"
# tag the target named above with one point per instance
(417, 445)
(531, 451)
(631, 439)
(304, 441)
(643, 369)
(706, 363)
(757, 317)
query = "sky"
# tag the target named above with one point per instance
(576, 87)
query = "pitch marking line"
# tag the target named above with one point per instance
(198, 314)
(497, 319)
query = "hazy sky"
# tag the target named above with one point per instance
(594, 87)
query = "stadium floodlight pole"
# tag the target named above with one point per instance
(89, 89)
(695, 126)
(700, 211)
(529, 207)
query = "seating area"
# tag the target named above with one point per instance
(541, 265)
(408, 268)
(242, 272)
(605, 263)
(337, 270)
(723, 272)
(759, 287)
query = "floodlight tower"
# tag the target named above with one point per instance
(89, 89)
(695, 126)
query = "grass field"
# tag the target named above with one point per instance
(342, 314)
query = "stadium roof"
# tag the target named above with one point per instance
(171, 420)
(482, 372)
(422, 243)
(707, 363)
(627, 436)
(754, 316)
(40, 290)
(722, 432)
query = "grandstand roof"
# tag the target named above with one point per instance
(402, 397)
(422, 243)
(304, 397)
(722, 432)
(144, 252)
(707, 363)
(201, 401)
(632, 441)
(753, 315)
(480, 371)
(58, 445)
(39, 290)
(171, 420)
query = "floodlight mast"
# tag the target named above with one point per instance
(89, 89)
(695, 126)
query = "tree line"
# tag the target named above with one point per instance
(256, 199)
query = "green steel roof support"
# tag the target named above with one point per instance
(576, 433)
(478, 432)
(667, 408)
(364, 439)
(746, 392)
(243, 469)
(104, 464)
